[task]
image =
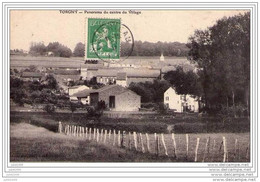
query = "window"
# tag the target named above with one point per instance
(112, 101)
(167, 98)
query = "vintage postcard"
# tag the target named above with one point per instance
(125, 88)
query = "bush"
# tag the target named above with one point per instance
(49, 108)
(237, 111)
(161, 108)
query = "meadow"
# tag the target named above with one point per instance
(28, 142)
(76, 62)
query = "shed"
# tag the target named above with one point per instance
(116, 98)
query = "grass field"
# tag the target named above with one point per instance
(75, 62)
(28, 142)
(140, 123)
(36, 144)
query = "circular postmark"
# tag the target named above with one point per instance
(107, 41)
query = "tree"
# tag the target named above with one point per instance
(51, 82)
(184, 83)
(59, 49)
(150, 91)
(17, 92)
(37, 48)
(79, 50)
(49, 108)
(222, 54)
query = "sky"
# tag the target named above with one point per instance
(46, 26)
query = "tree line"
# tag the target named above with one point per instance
(52, 49)
(139, 49)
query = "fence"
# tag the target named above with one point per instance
(193, 149)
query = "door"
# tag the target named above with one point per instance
(112, 101)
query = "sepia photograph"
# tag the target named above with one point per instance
(129, 86)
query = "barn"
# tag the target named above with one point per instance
(116, 98)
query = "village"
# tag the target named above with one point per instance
(115, 79)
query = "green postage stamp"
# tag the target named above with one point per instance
(103, 38)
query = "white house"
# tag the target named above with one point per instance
(180, 103)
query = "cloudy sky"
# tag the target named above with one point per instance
(46, 26)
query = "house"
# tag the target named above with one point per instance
(26, 76)
(75, 89)
(135, 75)
(116, 98)
(108, 76)
(121, 79)
(82, 96)
(180, 103)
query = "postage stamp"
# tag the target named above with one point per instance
(103, 38)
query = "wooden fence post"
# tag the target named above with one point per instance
(118, 138)
(86, 132)
(225, 149)
(60, 127)
(187, 145)
(142, 142)
(65, 130)
(164, 144)
(206, 150)
(174, 146)
(148, 142)
(105, 136)
(90, 133)
(123, 138)
(101, 135)
(155, 139)
(94, 134)
(80, 131)
(69, 130)
(157, 145)
(109, 134)
(129, 140)
(196, 150)
(97, 135)
(135, 140)
(114, 140)
(75, 129)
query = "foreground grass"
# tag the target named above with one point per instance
(34, 144)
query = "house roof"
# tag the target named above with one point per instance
(121, 76)
(107, 72)
(142, 73)
(31, 75)
(83, 93)
(120, 91)
(77, 86)
(105, 88)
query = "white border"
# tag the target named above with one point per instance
(188, 170)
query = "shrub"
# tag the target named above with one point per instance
(49, 108)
